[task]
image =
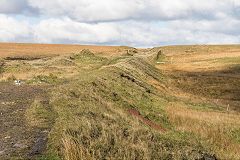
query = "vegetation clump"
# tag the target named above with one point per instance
(64, 62)
(2, 63)
(46, 79)
(85, 52)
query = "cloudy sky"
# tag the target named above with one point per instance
(138, 23)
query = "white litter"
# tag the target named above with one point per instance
(17, 82)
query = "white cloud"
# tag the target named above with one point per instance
(66, 30)
(114, 10)
(222, 26)
(11, 30)
(133, 33)
(140, 23)
(87, 10)
(236, 2)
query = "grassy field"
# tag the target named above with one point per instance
(39, 50)
(192, 92)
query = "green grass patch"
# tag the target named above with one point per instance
(204, 107)
(235, 67)
(40, 114)
(236, 135)
(43, 79)
(64, 62)
(86, 59)
(2, 63)
(229, 60)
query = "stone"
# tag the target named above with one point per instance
(18, 145)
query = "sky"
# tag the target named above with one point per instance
(137, 23)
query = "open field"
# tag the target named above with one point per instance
(110, 103)
(26, 49)
(207, 79)
(213, 73)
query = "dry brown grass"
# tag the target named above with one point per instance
(216, 127)
(207, 71)
(196, 75)
(60, 65)
(28, 49)
(73, 150)
(228, 119)
(198, 62)
(198, 49)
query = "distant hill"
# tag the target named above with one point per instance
(30, 49)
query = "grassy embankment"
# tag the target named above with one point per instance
(92, 93)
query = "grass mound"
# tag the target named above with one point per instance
(84, 52)
(92, 115)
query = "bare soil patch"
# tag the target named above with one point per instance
(152, 124)
(17, 138)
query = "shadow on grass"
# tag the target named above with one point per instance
(221, 85)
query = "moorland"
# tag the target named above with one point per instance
(118, 102)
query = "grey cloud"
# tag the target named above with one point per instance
(17, 7)
(133, 33)
(146, 10)
(227, 25)
(120, 10)
(236, 11)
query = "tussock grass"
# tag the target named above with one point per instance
(216, 127)
(63, 62)
(2, 63)
(19, 67)
(73, 150)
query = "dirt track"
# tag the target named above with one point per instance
(152, 124)
(17, 138)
